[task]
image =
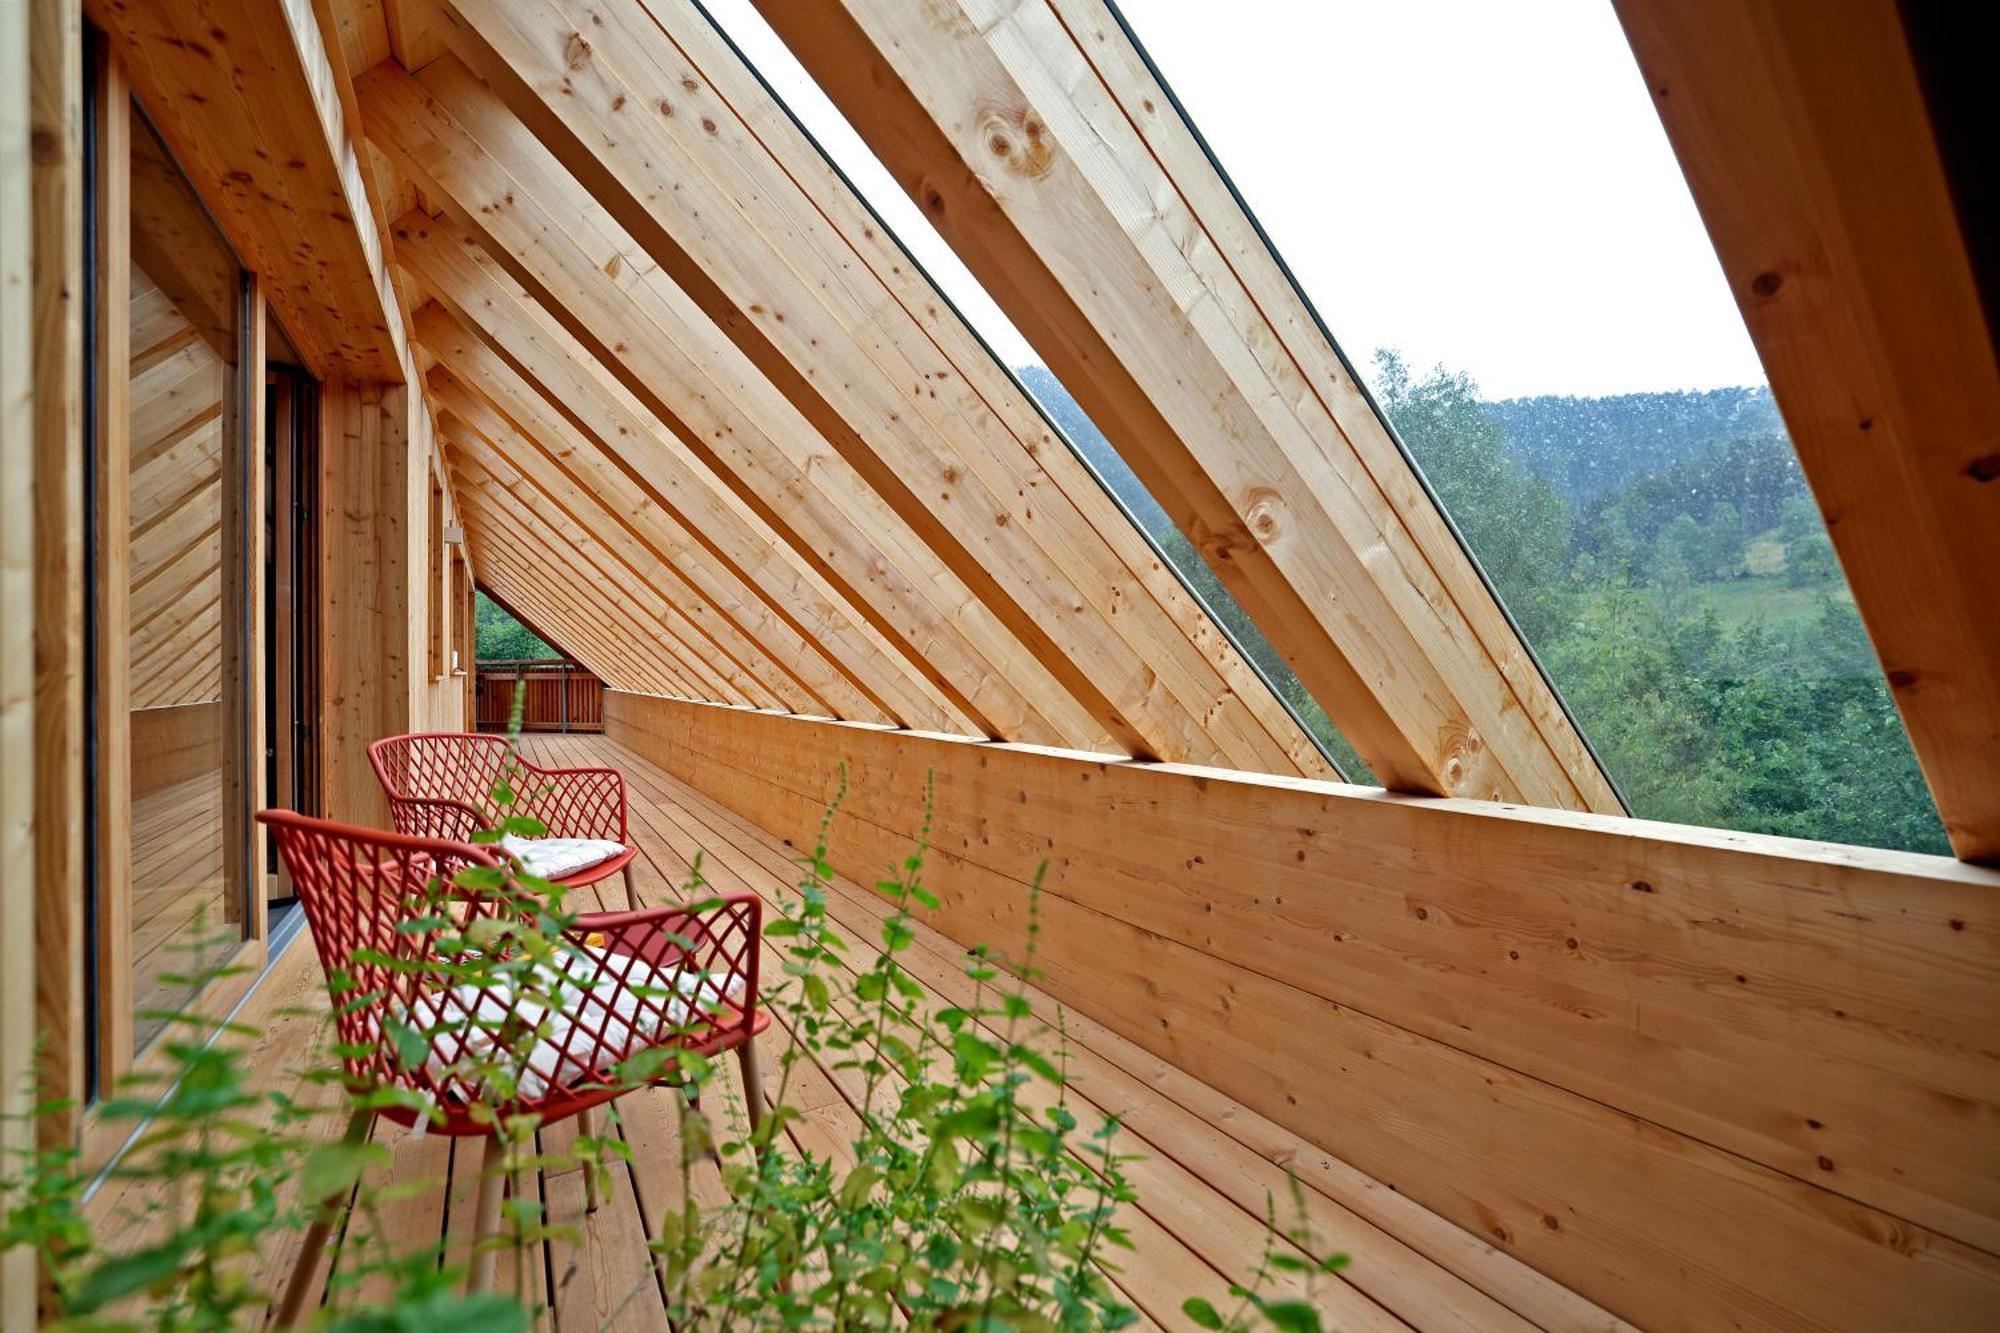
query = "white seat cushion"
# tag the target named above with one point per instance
(605, 1009)
(558, 858)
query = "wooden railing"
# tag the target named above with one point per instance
(561, 696)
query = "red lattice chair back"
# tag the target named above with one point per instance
(680, 978)
(441, 785)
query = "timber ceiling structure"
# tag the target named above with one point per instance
(709, 426)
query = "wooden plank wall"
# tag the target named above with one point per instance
(371, 636)
(1706, 1079)
(19, 307)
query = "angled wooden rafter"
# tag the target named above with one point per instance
(1795, 134)
(1040, 146)
(553, 394)
(808, 287)
(532, 218)
(495, 477)
(554, 390)
(578, 616)
(543, 482)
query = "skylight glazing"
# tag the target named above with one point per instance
(1482, 198)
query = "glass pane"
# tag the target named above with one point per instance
(188, 904)
(746, 29)
(1482, 196)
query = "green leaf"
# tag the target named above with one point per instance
(1201, 1312)
(1292, 1316)
(335, 1168)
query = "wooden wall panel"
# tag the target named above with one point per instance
(55, 89)
(20, 308)
(370, 640)
(1708, 1080)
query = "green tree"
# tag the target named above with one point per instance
(1723, 542)
(1809, 561)
(1516, 525)
(498, 637)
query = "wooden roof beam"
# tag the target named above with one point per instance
(582, 614)
(691, 640)
(545, 483)
(245, 93)
(1813, 161)
(1039, 144)
(554, 393)
(629, 621)
(805, 283)
(533, 219)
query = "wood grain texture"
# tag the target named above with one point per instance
(538, 224)
(1036, 144)
(556, 489)
(745, 214)
(55, 88)
(246, 96)
(20, 299)
(490, 335)
(1618, 1050)
(1811, 157)
(366, 625)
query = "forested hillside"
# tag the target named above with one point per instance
(1666, 562)
(1588, 446)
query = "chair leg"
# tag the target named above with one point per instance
(753, 1083)
(486, 1215)
(586, 1127)
(631, 889)
(328, 1212)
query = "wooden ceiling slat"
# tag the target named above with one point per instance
(576, 615)
(1096, 222)
(535, 220)
(1813, 161)
(489, 469)
(482, 429)
(965, 461)
(555, 390)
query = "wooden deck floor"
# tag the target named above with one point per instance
(1208, 1165)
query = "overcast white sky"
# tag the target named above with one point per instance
(1476, 183)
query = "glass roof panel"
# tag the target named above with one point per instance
(1481, 200)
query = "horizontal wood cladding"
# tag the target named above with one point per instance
(1706, 1079)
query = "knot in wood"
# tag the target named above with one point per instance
(1263, 516)
(1017, 140)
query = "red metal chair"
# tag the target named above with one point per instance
(681, 978)
(440, 785)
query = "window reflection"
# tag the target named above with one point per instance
(186, 613)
